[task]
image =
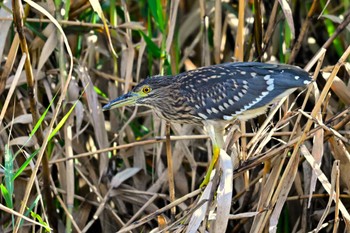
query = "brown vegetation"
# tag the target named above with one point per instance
(69, 166)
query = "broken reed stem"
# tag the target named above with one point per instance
(18, 16)
(170, 170)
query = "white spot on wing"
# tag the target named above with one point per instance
(270, 84)
(270, 87)
(230, 102)
(214, 110)
(203, 116)
(270, 81)
(296, 77)
(258, 99)
(228, 118)
(267, 77)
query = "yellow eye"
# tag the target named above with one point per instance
(146, 89)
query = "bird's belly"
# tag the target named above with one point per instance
(174, 118)
(249, 114)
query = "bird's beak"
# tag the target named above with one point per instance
(124, 100)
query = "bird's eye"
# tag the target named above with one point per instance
(146, 89)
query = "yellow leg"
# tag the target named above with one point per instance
(216, 153)
(215, 131)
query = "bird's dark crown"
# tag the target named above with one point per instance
(155, 82)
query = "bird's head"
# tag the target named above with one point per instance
(147, 93)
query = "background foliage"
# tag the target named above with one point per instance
(68, 166)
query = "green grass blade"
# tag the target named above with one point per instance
(67, 9)
(62, 121)
(100, 92)
(9, 170)
(331, 30)
(149, 31)
(65, 118)
(7, 196)
(25, 164)
(156, 11)
(37, 125)
(35, 215)
(39, 218)
(8, 199)
(287, 40)
(151, 46)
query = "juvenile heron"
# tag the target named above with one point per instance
(216, 95)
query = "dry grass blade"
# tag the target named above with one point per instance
(339, 88)
(334, 178)
(239, 47)
(317, 149)
(199, 214)
(23, 141)
(282, 191)
(98, 9)
(258, 29)
(262, 128)
(266, 194)
(325, 183)
(170, 170)
(10, 60)
(69, 175)
(4, 26)
(303, 32)
(97, 118)
(11, 211)
(224, 193)
(13, 86)
(160, 211)
(49, 47)
(243, 215)
(118, 179)
(341, 153)
(140, 211)
(288, 14)
(172, 21)
(217, 31)
(111, 166)
(49, 130)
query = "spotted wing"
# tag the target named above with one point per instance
(225, 91)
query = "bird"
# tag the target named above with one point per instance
(215, 96)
